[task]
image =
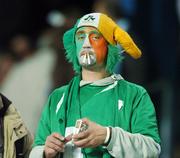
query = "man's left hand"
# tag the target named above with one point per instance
(92, 137)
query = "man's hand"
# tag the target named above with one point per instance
(55, 143)
(92, 137)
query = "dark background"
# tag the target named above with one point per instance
(154, 24)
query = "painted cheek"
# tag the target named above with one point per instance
(100, 47)
(79, 45)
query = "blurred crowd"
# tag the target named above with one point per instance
(32, 66)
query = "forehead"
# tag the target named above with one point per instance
(87, 29)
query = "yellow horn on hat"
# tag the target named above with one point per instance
(114, 34)
(127, 43)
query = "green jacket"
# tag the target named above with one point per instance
(121, 104)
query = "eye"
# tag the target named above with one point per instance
(95, 37)
(80, 37)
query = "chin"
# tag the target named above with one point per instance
(95, 67)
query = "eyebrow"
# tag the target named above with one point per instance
(95, 32)
(80, 32)
(83, 32)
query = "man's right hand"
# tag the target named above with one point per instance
(53, 145)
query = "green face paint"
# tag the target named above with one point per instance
(79, 40)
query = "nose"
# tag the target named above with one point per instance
(86, 44)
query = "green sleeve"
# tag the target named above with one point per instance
(48, 122)
(144, 116)
(43, 129)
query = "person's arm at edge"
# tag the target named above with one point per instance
(125, 144)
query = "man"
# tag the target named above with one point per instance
(15, 139)
(119, 116)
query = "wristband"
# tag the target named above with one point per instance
(107, 135)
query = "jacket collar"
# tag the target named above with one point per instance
(4, 104)
(103, 82)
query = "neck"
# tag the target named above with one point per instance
(90, 75)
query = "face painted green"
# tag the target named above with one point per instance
(79, 40)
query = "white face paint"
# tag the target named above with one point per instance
(87, 55)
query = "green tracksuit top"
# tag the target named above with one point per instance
(121, 104)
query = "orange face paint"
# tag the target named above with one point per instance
(99, 45)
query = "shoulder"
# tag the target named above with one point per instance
(53, 99)
(56, 95)
(135, 94)
(58, 91)
(131, 86)
(129, 89)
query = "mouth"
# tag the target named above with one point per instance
(87, 58)
(86, 52)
